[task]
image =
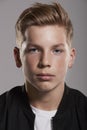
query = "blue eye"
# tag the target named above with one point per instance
(57, 51)
(33, 50)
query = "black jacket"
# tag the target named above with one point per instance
(16, 114)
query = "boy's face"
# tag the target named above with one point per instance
(46, 56)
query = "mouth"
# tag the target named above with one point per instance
(45, 76)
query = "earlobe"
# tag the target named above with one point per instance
(17, 57)
(72, 57)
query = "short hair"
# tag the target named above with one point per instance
(41, 15)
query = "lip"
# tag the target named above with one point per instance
(45, 76)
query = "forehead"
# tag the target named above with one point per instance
(46, 35)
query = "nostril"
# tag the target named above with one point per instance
(41, 65)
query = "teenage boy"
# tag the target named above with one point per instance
(44, 52)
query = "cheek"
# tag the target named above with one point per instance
(31, 62)
(61, 64)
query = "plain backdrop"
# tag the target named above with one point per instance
(10, 75)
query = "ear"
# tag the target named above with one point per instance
(72, 57)
(17, 57)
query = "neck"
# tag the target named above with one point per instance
(49, 100)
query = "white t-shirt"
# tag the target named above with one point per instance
(43, 119)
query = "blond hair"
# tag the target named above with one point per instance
(41, 15)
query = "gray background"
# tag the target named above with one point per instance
(11, 76)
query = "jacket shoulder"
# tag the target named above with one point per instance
(6, 99)
(79, 100)
(77, 95)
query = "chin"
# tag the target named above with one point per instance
(44, 88)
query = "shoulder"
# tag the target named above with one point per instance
(7, 98)
(10, 94)
(78, 99)
(77, 95)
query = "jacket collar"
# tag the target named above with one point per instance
(64, 106)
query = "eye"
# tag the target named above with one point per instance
(33, 50)
(57, 51)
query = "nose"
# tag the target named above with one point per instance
(44, 60)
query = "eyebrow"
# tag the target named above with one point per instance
(53, 46)
(58, 45)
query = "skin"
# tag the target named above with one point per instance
(45, 58)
